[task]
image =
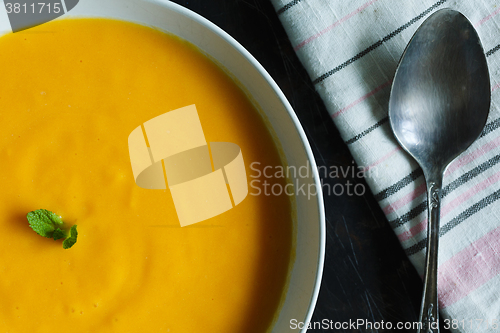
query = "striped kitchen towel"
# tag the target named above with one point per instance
(350, 50)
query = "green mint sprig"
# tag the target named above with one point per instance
(47, 224)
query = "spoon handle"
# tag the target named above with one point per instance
(429, 312)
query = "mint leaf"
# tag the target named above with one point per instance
(47, 224)
(58, 234)
(71, 240)
(43, 222)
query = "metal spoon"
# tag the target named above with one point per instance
(439, 103)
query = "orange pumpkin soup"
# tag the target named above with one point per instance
(71, 91)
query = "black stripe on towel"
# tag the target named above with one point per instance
(287, 7)
(456, 221)
(377, 44)
(384, 194)
(368, 130)
(446, 190)
(398, 185)
(493, 50)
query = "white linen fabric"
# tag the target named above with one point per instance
(351, 50)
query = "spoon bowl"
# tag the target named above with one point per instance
(439, 104)
(441, 92)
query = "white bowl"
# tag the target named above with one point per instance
(305, 276)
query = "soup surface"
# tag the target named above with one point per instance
(71, 91)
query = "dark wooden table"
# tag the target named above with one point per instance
(367, 275)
